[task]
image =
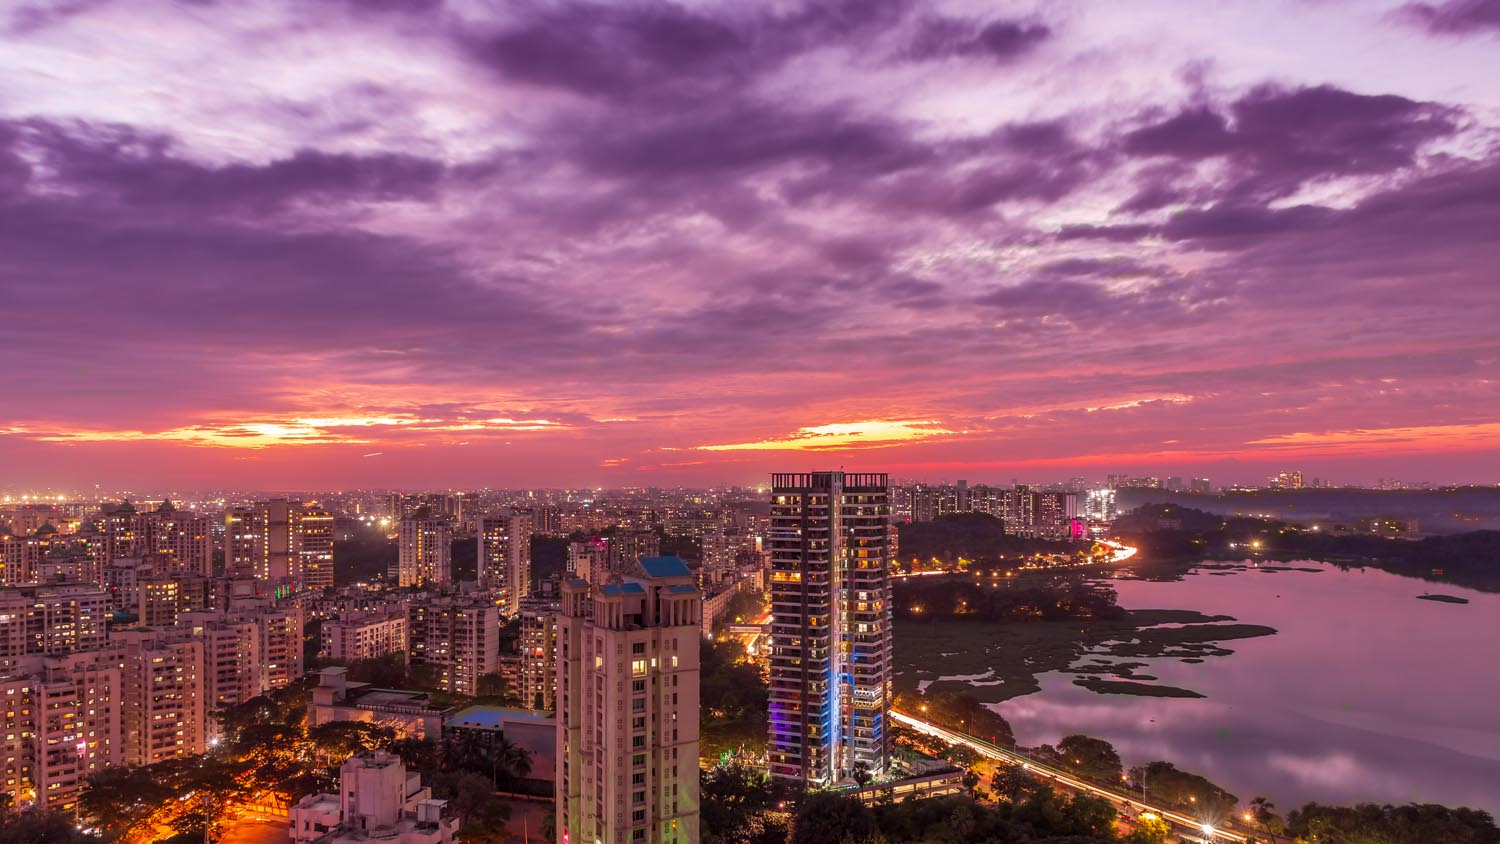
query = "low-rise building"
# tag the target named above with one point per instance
(364, 636)
(532, 731)
(378, 800)
(411, 714)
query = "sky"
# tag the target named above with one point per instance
(455, 243)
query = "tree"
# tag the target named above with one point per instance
(1184, 790)
(34, 826)
(472, 796)
(508, 759)
(1093, 758)
(960, 755)
(829, 818)
(387, 671)
(971, 783)
(418, 754)
(493, 685)
(738, 805)
(958, 711)
(733, 697)
(338, 740)
(490, 826)
(1149, 829)
(861, 774)
(118, 800)
(1409, 824)
(1054, 815)
(1014, 783)
(1263, 815)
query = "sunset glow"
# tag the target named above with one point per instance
(689, 243)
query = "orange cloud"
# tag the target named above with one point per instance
(876, 433)
(266, 433)
(1420, 438)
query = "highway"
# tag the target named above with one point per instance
(990, 751)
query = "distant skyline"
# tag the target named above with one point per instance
(427, 244)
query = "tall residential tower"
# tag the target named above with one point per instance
(627, 707)
(504, 556)
(830, 626)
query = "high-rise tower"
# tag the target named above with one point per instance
(424, 552)
(627, 707)
(504, 554)
(830, 625)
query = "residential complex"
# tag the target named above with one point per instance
(538, 644)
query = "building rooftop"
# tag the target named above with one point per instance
(627, 588)
(665, 567)
(494, 716)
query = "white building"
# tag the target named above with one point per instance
(162, 711)
(538, 645)
(280, 541)
(364, 636)
(504, 556)
(627, 708)
(459, 635)
(52, 619)
(60, 723)
(378, 800)
(425, 550)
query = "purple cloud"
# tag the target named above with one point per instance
(1278, 139)
(1455, 17)
(1001, 40)
(665, 51)
(143, 170)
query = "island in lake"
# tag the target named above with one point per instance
(1447, 599)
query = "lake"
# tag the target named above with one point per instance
(1365, 693)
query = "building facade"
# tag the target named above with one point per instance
(504, 556)
(459, 635)
(378, 800)
(627, 708)
(538, 644)
(364, 636)
(280, 541)
(830, 626)
(425, 550)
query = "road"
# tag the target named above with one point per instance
(750, 635)
(1119, 554)
(990, 751)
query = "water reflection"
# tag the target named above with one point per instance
(1365, 693)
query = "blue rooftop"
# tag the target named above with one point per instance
(494, 717)
(665, 567)
(683, 588)
(627, 588)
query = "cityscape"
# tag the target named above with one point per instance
(749, 422)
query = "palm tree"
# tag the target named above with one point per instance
(1263, 811)
(861, 774)
(971, 784)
